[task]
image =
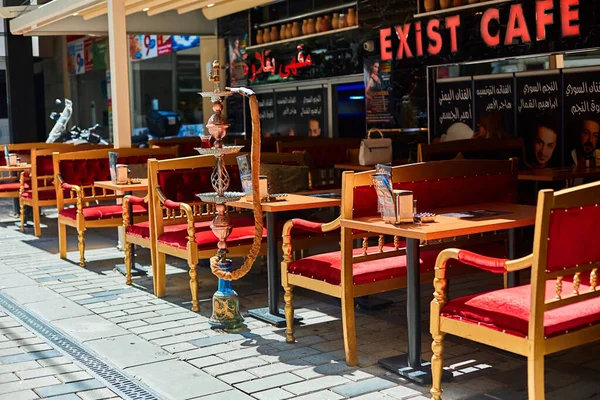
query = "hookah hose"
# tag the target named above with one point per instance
(257, 209)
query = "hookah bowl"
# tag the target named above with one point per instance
(226, 313)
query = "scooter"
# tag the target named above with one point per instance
(76, 135)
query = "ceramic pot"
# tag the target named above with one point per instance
(304, 27)
(473, 1)
(282, 34)
(445, 4)
(350, 17)
(326, 23)
(259, 37)
(335, 21)
(310, 26)
(296, 29)
(342, 23)
(356, 17)
(457, 3)
(429, 5)
(274, 34)
(266, 36)
(319, 25)
(288, 31)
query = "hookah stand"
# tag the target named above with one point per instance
(226, 313)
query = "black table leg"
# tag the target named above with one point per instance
(411, 366)
(513, 277)
(272, 314)
(136, 269)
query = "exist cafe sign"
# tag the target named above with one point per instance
(516, 27)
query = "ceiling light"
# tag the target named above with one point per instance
(210, 5)
(75, 14)
(145, 9)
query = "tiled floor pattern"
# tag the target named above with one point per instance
(176, 353)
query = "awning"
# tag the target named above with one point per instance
(84, 17)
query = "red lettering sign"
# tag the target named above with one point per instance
(385, 44)
(516, 27)
(542, 17)
(404, 48)
(568, 16)
(452, 23)
(490, 40)
(435, 39)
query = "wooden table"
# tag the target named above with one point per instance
(293, 202)
(14, 168)
(127, 189)
(410, 366)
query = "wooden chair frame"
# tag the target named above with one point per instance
(347, 291)
(79, 198)
(48, 182)
(535, 346)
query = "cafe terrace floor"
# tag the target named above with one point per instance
(172, 350)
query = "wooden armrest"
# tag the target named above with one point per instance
(490, 264)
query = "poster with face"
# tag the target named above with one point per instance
(539, 103)
(238, 70)
(377, 96)
(494, 107)
(453, 109)
(582, 115)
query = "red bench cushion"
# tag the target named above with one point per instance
(327, 267)
(11, 187)
(42, 195)
(507, 310)
(101, 212)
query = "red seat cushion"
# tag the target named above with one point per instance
(507, 310)
(327, 267)
(242, 232)
(142, 229)
(11, 187)
(42, 195)
(101, 212)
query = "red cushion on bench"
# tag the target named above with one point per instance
(11, 187)
(508, 310)
(42, 195)
(101, 212)
(327, 267)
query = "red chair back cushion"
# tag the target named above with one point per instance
(183, 185)
(448, 192)
(572, 237)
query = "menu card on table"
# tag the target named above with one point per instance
(245, 173)
(386, 205)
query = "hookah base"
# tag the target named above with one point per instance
(226, 305)
(278, 320)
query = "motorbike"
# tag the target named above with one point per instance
(76, 135)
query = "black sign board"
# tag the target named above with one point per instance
(453, 104)
(539, 107)
(266, 106)
(495, 108)
(582, 115)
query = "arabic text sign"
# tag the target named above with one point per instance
(453, 103)
(267, 64)
(495, 105)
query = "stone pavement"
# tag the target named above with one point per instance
(161, 343)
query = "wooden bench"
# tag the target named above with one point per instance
(267, 144)
(380, 268)
(472, 149)
(75, 174)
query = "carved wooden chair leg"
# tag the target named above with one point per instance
(535, 376)
(194, 287)
(81, 245)
(289, 313)
(127, 250)
(22, 212)
(349, 327)
(62, 240)
(437, 366)
(160, 284)
(37, 229)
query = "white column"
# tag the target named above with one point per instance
(119, 73)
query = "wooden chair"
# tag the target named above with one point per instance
(75, 174)
(143, 234)
(267, 144)
(36, 187)
(352, 273)
(472, 149)
(323, 154)
(559, 310)
(186, 145)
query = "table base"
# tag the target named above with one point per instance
(264, 315)
(420, 375)
(371, 303)
(136, 270)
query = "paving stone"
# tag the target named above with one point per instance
(367, 386)
(205, 351)
(56, 278)
(132, 324)
(218, 339)
(28, 384)
(70, 396)
(52, 310)
(92, 300)
(228, 395)
(10, 351)
(48, 371)
(67, 388)
(20, 366)
(155, 327)
(323, 395)
(314, 385)
(233, 366)
(128, 351)
(273, 394)
(89, 327)
(16, 280)
(177, 380)
(111, 292)
(259, 385)
(36, 355)
(97, 394)
(53, 361)
(6, 378)
(206, 361)
(283, 356)
(325, 369)
(21, 395)
(32, 295)
(277, 368)
(74, 377)
(178, 347)
(154, 335)
(325, 358)
(237, 377)
(185, 337)
(403, 392)
(36, 347)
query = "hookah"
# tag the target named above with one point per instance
(226, 314)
